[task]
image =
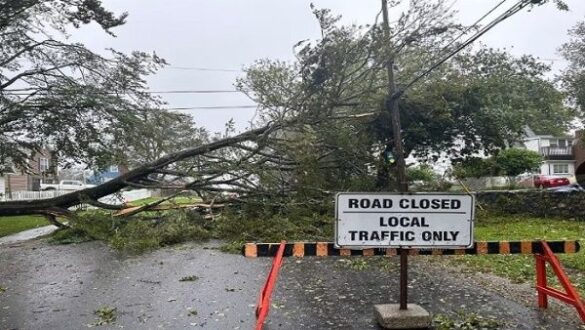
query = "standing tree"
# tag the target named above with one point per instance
(514, 162)
(480, 100)
(159, 133)
(59, 93)
(573, 77)
(475, 167)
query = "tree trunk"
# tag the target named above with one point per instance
(48, 206)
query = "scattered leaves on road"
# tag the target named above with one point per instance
(355, 264)
(106, 315)
(190, 278)
(465, 321)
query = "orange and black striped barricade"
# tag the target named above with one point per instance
(542, 250)
(328, 249)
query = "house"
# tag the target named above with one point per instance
(42, 167)
(2, 187)
(563, 155)
(107, 174)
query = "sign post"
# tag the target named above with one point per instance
(403, 221)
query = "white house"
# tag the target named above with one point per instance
(557, 152)
(2, 187)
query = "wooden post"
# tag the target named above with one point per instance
(402, 184)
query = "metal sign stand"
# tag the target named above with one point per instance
(366, 220)
(403, 279)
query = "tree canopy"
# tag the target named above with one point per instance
(322, 120)
(58, 93)
(515, 161)
(481, 100)
(510, 162)
(573, 77)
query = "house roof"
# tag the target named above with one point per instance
(530, 134)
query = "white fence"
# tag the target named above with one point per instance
(118, 198)
(31, 195)
(486, 182)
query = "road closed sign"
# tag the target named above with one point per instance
(366, 220)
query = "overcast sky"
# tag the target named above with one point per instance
(231, 34)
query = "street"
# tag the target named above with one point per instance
(62, 286)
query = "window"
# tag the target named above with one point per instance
(561, 143)
(113, 169)
(43, 164)
(560, 168)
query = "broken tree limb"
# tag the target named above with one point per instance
(74, 198)
(137, 209)
(53, 220)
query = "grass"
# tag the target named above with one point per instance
(521, 268)
(12, 225)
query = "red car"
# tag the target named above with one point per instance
(543, 181)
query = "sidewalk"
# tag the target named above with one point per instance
(28, 234)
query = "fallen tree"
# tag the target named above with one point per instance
(139, 177)
(325, 124)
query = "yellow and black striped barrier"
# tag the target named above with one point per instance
(328, 249)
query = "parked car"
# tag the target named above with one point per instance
(570, 188)
(544, 181)
(66, 185)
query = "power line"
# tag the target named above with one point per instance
(196, 91)
(552, 59)
(215, 107)
(508, 13)
(190, 68)
(473, 25)
(211, 91)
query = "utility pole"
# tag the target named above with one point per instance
(392, 107)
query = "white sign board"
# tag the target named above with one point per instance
(366, 220)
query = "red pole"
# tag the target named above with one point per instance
(264, 300)
(541, 280)
(572, 295)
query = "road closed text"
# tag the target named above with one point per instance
(417, 220)
(404, 203)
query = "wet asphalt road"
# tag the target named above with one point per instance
(60, 287)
